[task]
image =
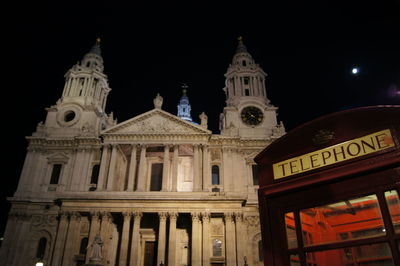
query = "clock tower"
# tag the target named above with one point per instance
(248, 112)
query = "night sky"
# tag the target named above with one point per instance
(308, 52)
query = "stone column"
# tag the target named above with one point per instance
(141, 186)
(60, 240)
(196, 239)
(135, 250)
(165, 177)
(196, 169)
(103, 168)
(206, 169)
(72, 245)
(161, 237)
(230, 239)
(111, 171)
(132, 169)
(206, 238)
(172, 239)
(123, 255)
(241, 233)
(105, 233)
(175, 160)
(94, 230)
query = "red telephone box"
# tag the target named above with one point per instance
(329, 191)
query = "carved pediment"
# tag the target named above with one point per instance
(156, 122)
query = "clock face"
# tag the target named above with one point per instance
(252, 115)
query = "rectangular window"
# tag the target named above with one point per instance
(254, 169)
(95, 174)
(55, 174)
(156, 177)
(215, 175)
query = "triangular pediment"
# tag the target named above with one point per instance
(157, 122)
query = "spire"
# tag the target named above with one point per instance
(184, 107)
(241, 48)
(96, 48)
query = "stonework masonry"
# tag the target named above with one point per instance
(156, 188)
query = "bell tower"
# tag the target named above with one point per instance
(248, 112)
(81, 108)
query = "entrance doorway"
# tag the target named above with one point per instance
(150, 254)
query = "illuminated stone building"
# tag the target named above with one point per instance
(157, 188)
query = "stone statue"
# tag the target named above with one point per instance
(96, 246)
(203, 120)
(158, 101)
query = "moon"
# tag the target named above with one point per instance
(355, 70)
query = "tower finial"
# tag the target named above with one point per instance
(98, 40)
(184, 87)
(240, 39)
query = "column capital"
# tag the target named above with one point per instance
(238, 217)
(75, 216)
(173, 215)
(106, 216)
(95, 215)
(63, 215)
(229, 217)
(163, 215)
(137, 214)
(196, 216)
(206, 216)
(167, 146)
(127, 215)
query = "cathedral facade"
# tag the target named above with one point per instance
(157, 189)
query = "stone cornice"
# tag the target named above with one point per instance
(150, 138)
(76, 142)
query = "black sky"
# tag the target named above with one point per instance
(307, 50)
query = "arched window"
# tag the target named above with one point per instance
(215, 175)
(41, 249)
(83, 246)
